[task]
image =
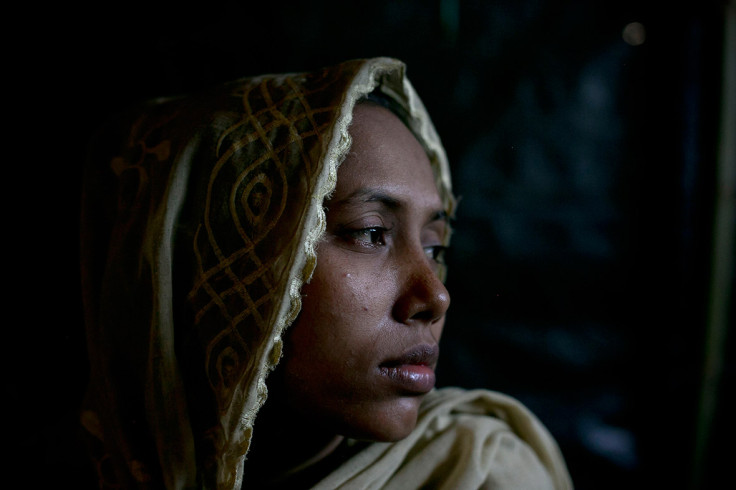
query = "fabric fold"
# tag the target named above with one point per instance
(469, 439)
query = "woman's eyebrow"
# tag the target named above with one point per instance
(440, 215)
(392, 202)
(367, 194)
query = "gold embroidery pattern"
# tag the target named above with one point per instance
(266, 161)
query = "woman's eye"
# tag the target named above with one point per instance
(436, 253)
(373, 236)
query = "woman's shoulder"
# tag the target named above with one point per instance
(502, 442)
(463, 439)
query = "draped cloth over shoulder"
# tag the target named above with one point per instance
(464, 439)
(200, 221)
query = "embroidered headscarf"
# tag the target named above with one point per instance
(200, 221)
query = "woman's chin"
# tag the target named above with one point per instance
(389, 422)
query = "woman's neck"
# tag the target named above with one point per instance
(285, 443)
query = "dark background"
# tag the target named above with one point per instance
(585, 160)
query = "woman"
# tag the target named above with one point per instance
(294, 224)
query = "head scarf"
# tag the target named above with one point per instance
(200, 221)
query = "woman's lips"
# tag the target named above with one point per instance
(412, 371)
(411, 378)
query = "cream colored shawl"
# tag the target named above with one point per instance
(475, 439)
(199, 225)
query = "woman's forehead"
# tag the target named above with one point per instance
(385, 158)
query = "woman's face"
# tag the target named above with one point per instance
(362, 353)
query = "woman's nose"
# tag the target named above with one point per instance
(423, 297)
